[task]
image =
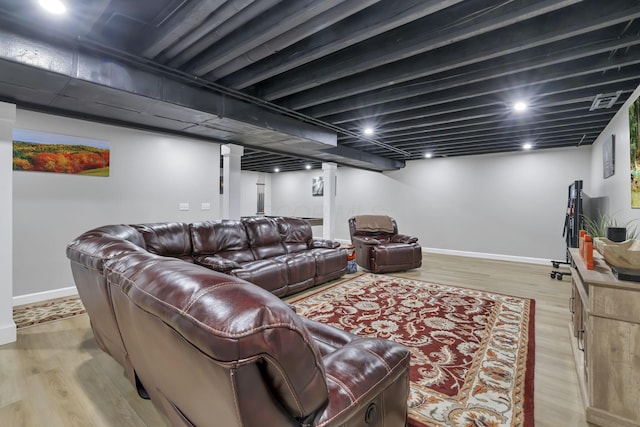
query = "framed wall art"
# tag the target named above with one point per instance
(317, 186)
(609, 157)
(634, 143)
(37, 151)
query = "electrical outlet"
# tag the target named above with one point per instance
(205, 206)
(184, 206)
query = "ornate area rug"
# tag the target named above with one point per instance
(472, 352)
(48, 311)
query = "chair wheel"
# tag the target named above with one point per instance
(555, 264)
(559, 276)
(553, 275)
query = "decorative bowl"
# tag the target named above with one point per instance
(624, 254)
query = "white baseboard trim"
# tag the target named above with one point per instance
(497, 257)
(8, 333)
(44, 296)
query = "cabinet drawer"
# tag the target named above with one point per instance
(615, 303)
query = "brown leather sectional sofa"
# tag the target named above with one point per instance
(211, 349)
(278, 254)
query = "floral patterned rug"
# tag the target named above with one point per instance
(472, 352)
(47, 311)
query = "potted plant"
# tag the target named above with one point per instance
(607, 227)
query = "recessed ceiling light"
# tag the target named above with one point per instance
(53, 6)
(520, 106)
(527, 146)
(307, 166)
(428, 155)
(276, 169)
(368, 131)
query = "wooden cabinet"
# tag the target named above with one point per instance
(605, 327)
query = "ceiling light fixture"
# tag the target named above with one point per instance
(307, 166)
(53, 6)
(527, 146)
(276, 170)
(520, 106)
(428, 155)
(368, 131)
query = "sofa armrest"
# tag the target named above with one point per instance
(358, 369)
(368, 241)
(324, 243)
(403, 238)
(216, 263)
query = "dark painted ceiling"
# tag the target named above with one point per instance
(288, 79)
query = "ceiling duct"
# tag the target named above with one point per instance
(66, 80)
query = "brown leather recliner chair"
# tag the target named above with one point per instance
(379, 246)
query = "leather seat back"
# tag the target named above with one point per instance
(296, 234)
(264, 238)
(225, 238)
(171, 239)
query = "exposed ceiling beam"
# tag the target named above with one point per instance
(184, 21)
(287, 17)
(563, 52)
(368, 23)
(446, 28)
(570, 23)
(227, 19)
(319, 22)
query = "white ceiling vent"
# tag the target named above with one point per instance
(604, 100)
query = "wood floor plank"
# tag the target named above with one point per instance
(19, 413)
(55, 374)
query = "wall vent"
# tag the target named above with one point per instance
(603, 101)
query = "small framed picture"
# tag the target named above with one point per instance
(317, 186)
(609, 156)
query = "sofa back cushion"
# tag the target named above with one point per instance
(226, 238)
(296, 234)
(264, 237)
(171, 239)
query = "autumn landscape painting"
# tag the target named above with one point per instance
(48, 152)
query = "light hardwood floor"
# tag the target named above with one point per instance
(55, 374)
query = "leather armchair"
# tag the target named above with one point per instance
(379, 246)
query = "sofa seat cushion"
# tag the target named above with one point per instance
(269, 274)
(172, 239)
(217, 263)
